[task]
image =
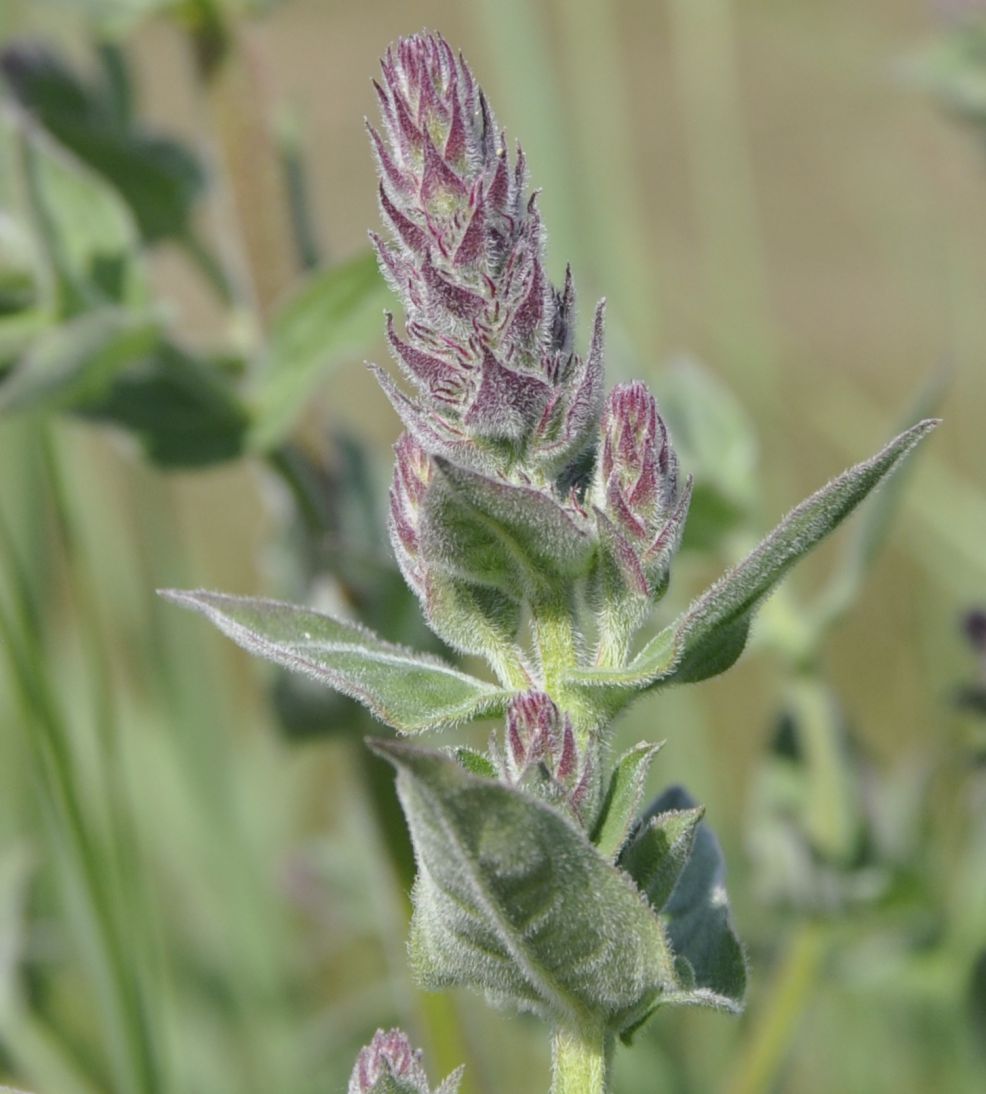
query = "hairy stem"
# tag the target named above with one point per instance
(553, 627)
(580, 1061)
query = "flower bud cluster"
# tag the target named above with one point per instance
(635, 490)
(494, 488)
(389, 1065)
(541, 753)
(488, 342)
(388, 1056)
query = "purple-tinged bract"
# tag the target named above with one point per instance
(388, 1056)
(541, 752)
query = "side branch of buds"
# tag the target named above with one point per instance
(541, 754)
(389, 1065)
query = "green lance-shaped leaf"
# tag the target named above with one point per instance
(512, 899)
(622, 800)
(411, 692)
(689, 886)
(334, 315)
(86, 238)
(711, 634)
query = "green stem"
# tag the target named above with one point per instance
(786, 999)
(580, 1061)
(553, 627)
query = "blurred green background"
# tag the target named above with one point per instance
(202, 875)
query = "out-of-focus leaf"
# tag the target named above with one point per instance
(87, 241)
(977, 999)
(509, 889)
(710, 958)
(334, 316)
(15, 871)
(158, 178)
(183, 410)
(953, 68)
(75, 364)
(409, 691)
(18, 263)
(17, 331)
(709, 637)
(716, 443)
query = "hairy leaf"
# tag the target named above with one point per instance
(512, 899)
(410, 691)
(659, 851)
(712, 633)
(622, 800)
(501, 534)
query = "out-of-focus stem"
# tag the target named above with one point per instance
(308, 252)
(620, 235)
(232, 80)
(785, 1001)
(733, 263)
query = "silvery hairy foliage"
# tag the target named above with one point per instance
(536, 517)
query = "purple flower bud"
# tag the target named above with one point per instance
(639, 508)
(388, 1056)
(542, 754)
(488, 340)
(413, 471)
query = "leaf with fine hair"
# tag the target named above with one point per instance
(502, 534)
(412, 692)
(512, 899)
(711, 634)
(622, 799)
